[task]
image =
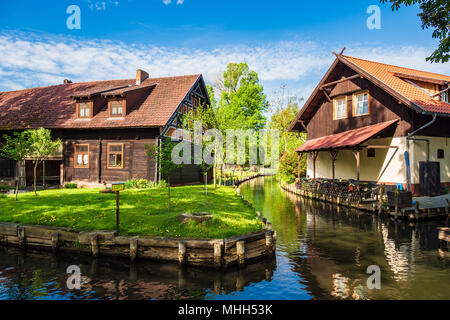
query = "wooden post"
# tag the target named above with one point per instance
(21, 236)
(269, 243)
(380, 200)
(55, 242)
(356, 153)
(117, 210)
(61, 174)
(218, 254)
(133, 249)
(181, 253)
(416, 211)
(94, 245)
(397, 192)
(240, 250)
(333, 154)
(299, 168)
(314, 154)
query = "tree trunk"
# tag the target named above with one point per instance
(221, 173)
(206, 183)
(214, 175)
(17, 187)
(168, 182)
(34, 182)
(43, 174)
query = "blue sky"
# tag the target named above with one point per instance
(286, 41)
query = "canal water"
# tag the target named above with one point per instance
(323, 252)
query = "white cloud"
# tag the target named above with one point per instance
(29, 61)
(167, 2)
(101, 5)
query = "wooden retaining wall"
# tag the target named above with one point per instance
(219, 253)
(374, 207)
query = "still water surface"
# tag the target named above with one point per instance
(322, 253)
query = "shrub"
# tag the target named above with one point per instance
(161, 184)
(143, 184)
(131, 184)
(71, 186)
(4, 187)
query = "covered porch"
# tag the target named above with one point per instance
(352, 143)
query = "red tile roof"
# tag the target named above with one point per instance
(345, 139)
(392, 77)
(53, 107)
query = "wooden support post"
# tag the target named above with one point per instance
(240, 250)
(397, 193)
(55, 242)
(380, 200)
(117, 211)
(299, 168)
(269, 243)
(181, 253)
(356, 153)
(133, 249)
(314, 154)
(416, 211)
(218, 254)
(333, 155)
(94, 245)
(21, 236)
(61, 174)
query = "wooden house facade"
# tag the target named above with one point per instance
(373, 122)
(104, 127)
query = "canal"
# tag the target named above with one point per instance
(323, 252)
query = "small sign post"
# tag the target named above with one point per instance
(117, 187)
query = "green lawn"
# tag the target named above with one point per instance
(142, 211)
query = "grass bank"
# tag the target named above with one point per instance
(143, 212)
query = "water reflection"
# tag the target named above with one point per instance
(323, 252)
(331, 247)
(30, 275)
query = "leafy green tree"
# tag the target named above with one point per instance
(243, 102)
(163, 156)
(42, 146)
(435, 14)
(284, 109)
(16, 147)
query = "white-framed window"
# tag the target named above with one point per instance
(81, 156)
(361, 104)
(340, 108)
(84, 109)
(117, 107)
(444, 96)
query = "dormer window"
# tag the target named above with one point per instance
(84, 109)
(116, 108)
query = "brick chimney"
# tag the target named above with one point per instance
(141, 75)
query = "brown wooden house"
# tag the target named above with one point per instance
(374, 122)
(104, 126)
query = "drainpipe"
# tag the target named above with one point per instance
(410, 137)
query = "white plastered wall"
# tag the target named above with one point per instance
(388, 165)
(418, 150)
